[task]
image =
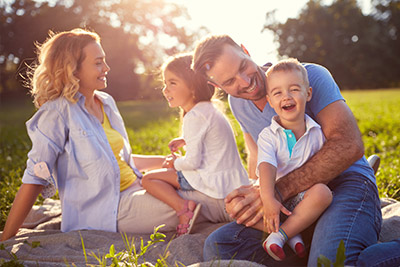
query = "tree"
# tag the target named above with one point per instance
(387, 13)
(340, 37)
(133, 36)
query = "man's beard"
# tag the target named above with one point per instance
(262, 90)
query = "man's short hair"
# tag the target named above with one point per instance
(208, 50)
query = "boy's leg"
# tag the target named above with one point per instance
(236, 241)
(354, 216)
(315, 201)
(306, 212)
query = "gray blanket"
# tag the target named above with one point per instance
(62, 249)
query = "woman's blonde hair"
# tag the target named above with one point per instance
(59, 57)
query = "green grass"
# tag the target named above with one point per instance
(151, 125)
(378, 117)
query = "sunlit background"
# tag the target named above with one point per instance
(357, 40)
(243, 20)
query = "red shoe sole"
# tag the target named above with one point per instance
(275, 251)
(300, 250)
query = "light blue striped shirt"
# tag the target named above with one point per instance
(77, 153)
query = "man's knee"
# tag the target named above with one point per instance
(210, 248)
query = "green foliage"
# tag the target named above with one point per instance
(151, 125)
(130, 256)
(14, 146)
(378, 116)
(133, 36)
(361, 50)
(340, 258)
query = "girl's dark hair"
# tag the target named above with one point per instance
(180, 65)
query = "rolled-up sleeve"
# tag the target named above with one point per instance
(47, 131)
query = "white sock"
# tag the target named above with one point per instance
(278, 238)
(294, 240)
(297, 244)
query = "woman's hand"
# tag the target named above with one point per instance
(175, 144)
(244, 205)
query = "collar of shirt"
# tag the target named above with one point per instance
(310, 123)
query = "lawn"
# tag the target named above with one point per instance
(151, 125)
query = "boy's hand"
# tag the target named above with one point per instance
(272, 209)
(175, 144)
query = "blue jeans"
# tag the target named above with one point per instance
(183, 183)
(381, 255)
(354, 217)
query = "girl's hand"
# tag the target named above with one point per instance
(169, 161)
(175, 144)
(272, 209)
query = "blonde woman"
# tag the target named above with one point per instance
(80, 148)
(79, 142)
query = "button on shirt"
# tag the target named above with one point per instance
(75, 149)
(276, 146)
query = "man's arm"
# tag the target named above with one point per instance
(342, 148)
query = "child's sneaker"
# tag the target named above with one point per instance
(273, 245)
(297, 244)
(274, 250)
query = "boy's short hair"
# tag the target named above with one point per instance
(288, 65)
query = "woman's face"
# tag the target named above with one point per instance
(93, 70)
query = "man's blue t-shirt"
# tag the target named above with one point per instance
(324, 92)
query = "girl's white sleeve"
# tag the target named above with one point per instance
(195, 128)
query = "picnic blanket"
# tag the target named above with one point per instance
(42, 227)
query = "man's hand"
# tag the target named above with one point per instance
(244, 205)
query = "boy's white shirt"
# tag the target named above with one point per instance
(273, 147)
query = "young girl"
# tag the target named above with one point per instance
(211, 164)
